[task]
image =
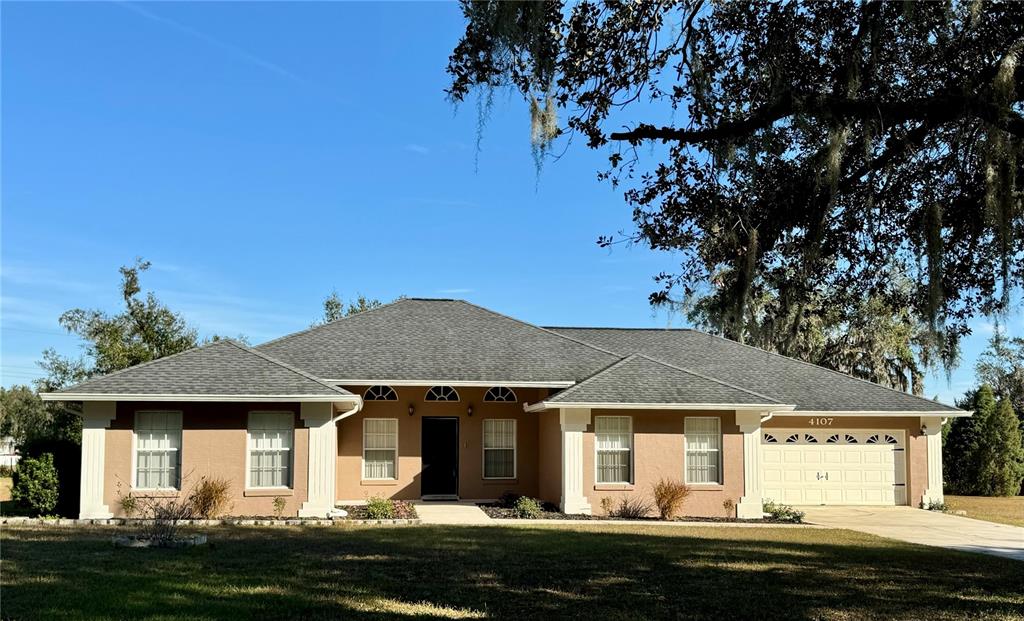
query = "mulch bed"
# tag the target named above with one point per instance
(403, 511)
(500, 512)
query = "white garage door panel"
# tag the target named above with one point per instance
(834, 467)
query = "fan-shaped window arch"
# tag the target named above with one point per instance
(851, 439)
(793, 439)
(810, 439)
(890, 439)
(770, 439)
(441, 393)
(380, 393)
(833, 439)
(500, 394)
(873, 439)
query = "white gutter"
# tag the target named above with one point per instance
(68, 396)
(545, 405)
(355, 408)
(872, 413)
(457, 384)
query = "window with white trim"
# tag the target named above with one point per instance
(499, 448)
(157, 449)
(441, 393)
(703, 449)
(271, 437)
(380, 448)
(613, 442)
(380, 393)
(500, 394)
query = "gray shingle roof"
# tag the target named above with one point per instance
(452, 340)
(805, 385)
(638, 379)
(221, 368)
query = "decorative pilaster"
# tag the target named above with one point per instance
(931, 427)
(96, 418)
(323, 451)
(573, 422)
(750, 506)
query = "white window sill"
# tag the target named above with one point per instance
(706, 487)
(163, 492)
(268, 491)
(379, 482)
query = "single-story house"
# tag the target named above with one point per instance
(442, 399)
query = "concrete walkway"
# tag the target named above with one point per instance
(925, 527)
(434, 512)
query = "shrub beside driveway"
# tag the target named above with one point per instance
(584, 571)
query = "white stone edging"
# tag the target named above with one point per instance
(27, 521)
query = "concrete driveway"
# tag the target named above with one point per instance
(924, 527)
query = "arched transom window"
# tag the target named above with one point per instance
(500, 394)
(380, 393)
(441, 393)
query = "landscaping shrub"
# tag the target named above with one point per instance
(129, 505)
(729, 506)
(36, 485)
(633, 508)
(404, 510)
(508, 500)
(6, 471)
(608, 505)
(782, 513)
(279, 505)
(669, 495)
(379, 508)
(934, 505)
(67, 459)
(209, 497)
(528, 508)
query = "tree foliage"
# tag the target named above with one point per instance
(144, 330)
(335, 308)
(984, 454)
(801, 151)
(23, 415)
(1002, 454)
(1001, 366)
(36, 484)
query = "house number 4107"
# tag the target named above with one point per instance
(821, 422)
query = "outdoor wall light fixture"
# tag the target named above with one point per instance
(412, 409)
(469, 410)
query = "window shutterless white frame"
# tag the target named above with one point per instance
(500, 426)
(383, 434)
(266, 423)
(148, 422)
(613, 434)
(702, 436)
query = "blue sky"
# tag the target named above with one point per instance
(262, 155)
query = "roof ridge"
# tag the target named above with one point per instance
(142, 364)
(622, 328)
(603, 369)
(818, 366)
(331, 323)
(709, 378)
(542, 329)
(286, 366)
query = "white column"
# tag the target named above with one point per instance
(749, 506)
(96, 418)
(931, 427)
(323, 454)
(574, 422)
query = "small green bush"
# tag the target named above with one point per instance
(528, 508)
(934, 505)
(781, 512)
(36, 485)
(129, 505)
(379, 508)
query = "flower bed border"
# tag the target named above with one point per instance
(27, 521)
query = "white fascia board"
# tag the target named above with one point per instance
(60, 396)
(768, 407)
(879, 413)
(455, 383)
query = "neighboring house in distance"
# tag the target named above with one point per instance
(8, 453)
(443, 399)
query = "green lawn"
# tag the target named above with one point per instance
(594, 572)
(1008, 510)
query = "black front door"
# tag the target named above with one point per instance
(440, 457)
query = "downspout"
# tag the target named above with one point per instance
(355, 408)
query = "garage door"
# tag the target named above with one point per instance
(834, 467)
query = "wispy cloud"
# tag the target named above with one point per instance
(41, 278)
(417, 148)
